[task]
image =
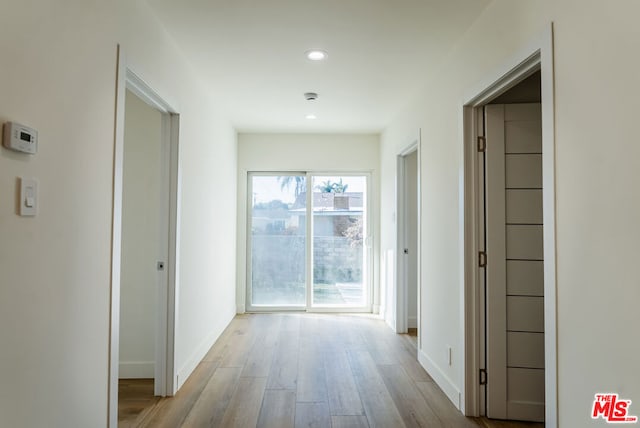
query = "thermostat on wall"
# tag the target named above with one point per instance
(20, 138)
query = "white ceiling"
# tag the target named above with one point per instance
(252, 52)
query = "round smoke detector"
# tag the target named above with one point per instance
(310, 96)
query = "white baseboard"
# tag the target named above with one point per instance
(196, 357)
(448, 387)
(412, 322)
(240, 309)
(391, 323)
(190, 365)
(136, 370)
(376, 309)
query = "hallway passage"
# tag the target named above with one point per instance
(307, 370)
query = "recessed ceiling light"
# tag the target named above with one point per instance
(316, 55)
(311, 116)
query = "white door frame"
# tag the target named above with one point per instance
(402, 287)
(165, 371)
(538, 55)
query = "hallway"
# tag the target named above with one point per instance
(324, 370)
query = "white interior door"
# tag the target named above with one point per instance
(410, 214)
(144, 234)
(514, 231)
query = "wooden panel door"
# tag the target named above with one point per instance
(515, 260)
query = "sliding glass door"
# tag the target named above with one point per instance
(300, 265)
(339, 250)
(278, 241)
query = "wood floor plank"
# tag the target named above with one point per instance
(315, 329)
(238, 347)
(283, 373)
(311, 385)
(209, 410)
(379, 407)
(344, 398)
(321, 370)
(219, 349)
(171, 412)
(312, 415)
(343, 333)
(494, 423)
(349, 422)
(413, 408)
(260, 357)
(407, 355)
(381, 353)
(278, 409)
(135, 401)
(244, 406)
(291, 323)
(449, 416)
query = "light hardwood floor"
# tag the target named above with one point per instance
(135, 401)
(308, 370)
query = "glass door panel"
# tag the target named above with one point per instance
(339, 208)
(277, 241)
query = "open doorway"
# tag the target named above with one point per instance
(513, 236)
(144, 234)
(407, 240)
(410, 252)
(144, 262)
(510, 324)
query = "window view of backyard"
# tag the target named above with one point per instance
(338, 251)
(279, 239)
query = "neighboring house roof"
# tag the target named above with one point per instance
(324, 201)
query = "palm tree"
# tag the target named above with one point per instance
(331, 187)
(300, 182)
(326, 186)
(339, 187)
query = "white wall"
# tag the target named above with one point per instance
(60, 77)
(304, 152)
(140, 238)
(597, 176)
(208, 159)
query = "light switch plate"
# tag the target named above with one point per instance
(28, 197)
